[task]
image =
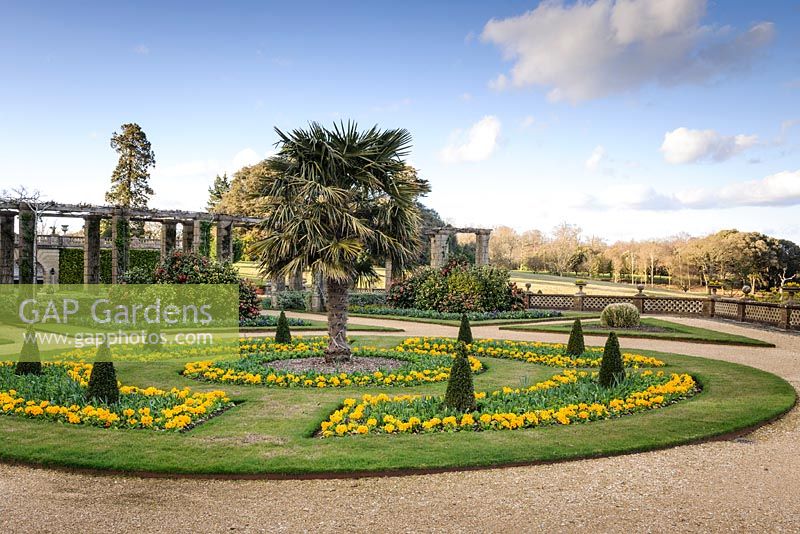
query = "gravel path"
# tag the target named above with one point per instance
(751, 484)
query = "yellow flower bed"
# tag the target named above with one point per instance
(359, 416)
(150, 407)
(550, 354)
(254, 367)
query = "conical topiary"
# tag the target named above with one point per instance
(103, 379)
(460, 395)
(575, 346)
(464, 330)
(29, 361)
(282, 333)
(612, 371)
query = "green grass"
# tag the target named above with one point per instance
(269, 432)
(488, 322)
(565, 285)
(322, 325)
(675, 332)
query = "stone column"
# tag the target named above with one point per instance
(296, 280)
(482, 248)
(224, 240)
(187, 235)
(120, 244)
(440, 250)
(388, 276)
(709, 307)
(197, 235)
(7, 247)
(168, 237)
(27, 238)
(91, 250)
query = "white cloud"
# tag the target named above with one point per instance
(528, 121)
(683, 145)
(598, 154)
(780, 189)
(466, 97)
(477, 144)
(141, 49)
(245, 157)
(586, 50)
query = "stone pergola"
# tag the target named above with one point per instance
(195, 226)
(440, 251)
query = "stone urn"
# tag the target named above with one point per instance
(746, 291)
(640, 289)
(580, 284)
(791, 291)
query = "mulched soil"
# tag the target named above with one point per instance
(318, 365)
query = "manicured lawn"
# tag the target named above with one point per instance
(322, 326)
(489, 322)
(673, 331)
(270, 431)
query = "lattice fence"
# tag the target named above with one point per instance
(725, 309)
(595, 303)
(794, 318)
(762, 313)
(551, 302)
(676, 306)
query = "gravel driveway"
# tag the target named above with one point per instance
(750, 484)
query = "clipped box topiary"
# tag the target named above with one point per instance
(29, 361)
(460, 394)
(103, 385)
(282, 333)
(612, 370)
(575, 345)
(464, 330)
(620, 315)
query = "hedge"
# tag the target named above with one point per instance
(70, 264)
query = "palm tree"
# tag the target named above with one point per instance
(337, 201)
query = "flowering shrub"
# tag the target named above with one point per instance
(249, 306)
(457, 288)
(58, 394)
(566, 398)
(254, 367)
(550, 354)
(473, 316)
(620, 315)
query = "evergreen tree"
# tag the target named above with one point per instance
(282, 332)
(464, 330)
(103, 379)
(130, 181)
(575, 346)
(460, 393)
(612, 370)
(220, 186)
(29, 361)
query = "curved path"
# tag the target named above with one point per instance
(747, 484)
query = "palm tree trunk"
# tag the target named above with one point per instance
(338, 350)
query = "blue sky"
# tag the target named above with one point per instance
(631, 119)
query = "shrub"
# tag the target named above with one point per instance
(620, 315)
(29, 362)
(457, 288)
(460, 394)
(70, 264)
(282, 332)
(248, 300)
(464, 330)
(103, 380)
(190, 268)
(611, 369)
(367, 299)
(139, 275)
(575, 346)
(294, 300)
